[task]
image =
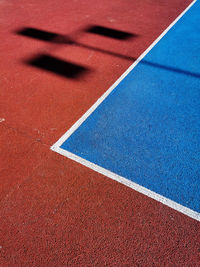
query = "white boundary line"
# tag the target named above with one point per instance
(170, 203)
(104, 96)
(56, 147)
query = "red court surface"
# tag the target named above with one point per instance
(53, 211)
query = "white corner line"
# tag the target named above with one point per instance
(168, 202)
(56, 147)
(77, 124)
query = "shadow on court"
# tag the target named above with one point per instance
(73, 71)
(65, 68)
(111, 33)
(57, 66)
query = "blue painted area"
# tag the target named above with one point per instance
(148, 129)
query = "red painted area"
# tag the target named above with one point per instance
(19, 156)
(70, 216)
(39, 103)
(52, 210)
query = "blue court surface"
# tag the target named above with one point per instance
(148, 129)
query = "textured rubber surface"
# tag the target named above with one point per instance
(147, 130)
(53, 211)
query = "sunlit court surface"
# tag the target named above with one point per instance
(99, 133)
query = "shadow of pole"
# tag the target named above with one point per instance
(45, 61)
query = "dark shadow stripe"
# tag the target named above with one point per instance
(108, 32)
(38, 34)
(173, 69)
(57, 66)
